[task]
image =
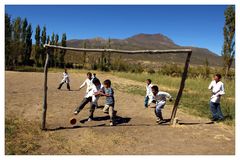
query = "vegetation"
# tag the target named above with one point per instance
(19, 50)
(195, 99)
(228, 52)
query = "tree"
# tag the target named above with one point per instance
(28, 46)
(23, 40)
(56, 56)
(207, 69)
(16, 43)
(109, 54)
(51, 54)
(228, 52)
(43, 41)
(8, 38)
(62, 51)
(37, 45)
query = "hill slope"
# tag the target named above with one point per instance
(151, 41)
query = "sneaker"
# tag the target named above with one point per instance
(111, 123)
(89, 119)
(158, 119)
(76, 112)
(161, 121)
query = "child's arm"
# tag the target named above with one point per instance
(167, 95)
(82, 85)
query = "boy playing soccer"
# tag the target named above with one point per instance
(109, 104)
(160, 98)
(96, 89)
(65, 80)
(88, 96)
(148, 98)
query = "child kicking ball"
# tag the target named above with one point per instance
(160, 98)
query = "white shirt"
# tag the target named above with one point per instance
(94, 90)
(217, 91)
(149, 90)
(161, 97)
(65, 78)
(89, 84)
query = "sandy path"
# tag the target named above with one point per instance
(139, 136)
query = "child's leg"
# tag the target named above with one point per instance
(213, 108)
(83, 103)
(111, 114)
(219, 112)
(91, 110)
(105, 109)
(68, 86)
(60, 85)
(146, 101)
(158, 110)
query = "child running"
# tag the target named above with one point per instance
(65, 80)
(88, 96)
(160, 98)
(149, 95)
(109, 103)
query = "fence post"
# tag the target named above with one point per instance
(45, 88)
(182, 85)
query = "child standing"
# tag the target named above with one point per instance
(88, 96)
(160, 98)
(217, 89)
(65, 80)
(109, 103)
(149, 96)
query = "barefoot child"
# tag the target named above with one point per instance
(160, 98)
(148, 98)
(109, 104)
(65, 80)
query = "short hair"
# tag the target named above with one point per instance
(149, 80)
(89, 73)
(94, 74)
(96, 81)
(107, 82)
(218, 75)
(155, 88)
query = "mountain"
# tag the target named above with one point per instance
(151, 41)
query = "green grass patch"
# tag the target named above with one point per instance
(195, 98)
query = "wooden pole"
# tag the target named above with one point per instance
(44, 111)
(122, 51)
(182, 85)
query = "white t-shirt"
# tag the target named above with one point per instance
(94, 90)
(161, 97)
(217, 91)
(89, 84)
(65, 78)
(149, 90)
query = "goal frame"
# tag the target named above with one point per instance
(180, 91)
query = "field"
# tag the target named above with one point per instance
(136, 132)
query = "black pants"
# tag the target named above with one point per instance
(83, 104)
(60, 85)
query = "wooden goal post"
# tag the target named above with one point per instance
(180, 91)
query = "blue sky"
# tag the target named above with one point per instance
(199, 25)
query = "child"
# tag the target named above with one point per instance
(65, 80)
(217, 89)
(160, 98)
(97, 88)
(88, 96)
(148, 98)
(109, 104)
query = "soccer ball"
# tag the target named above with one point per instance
(73, 121)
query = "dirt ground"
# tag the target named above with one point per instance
(136, 132)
